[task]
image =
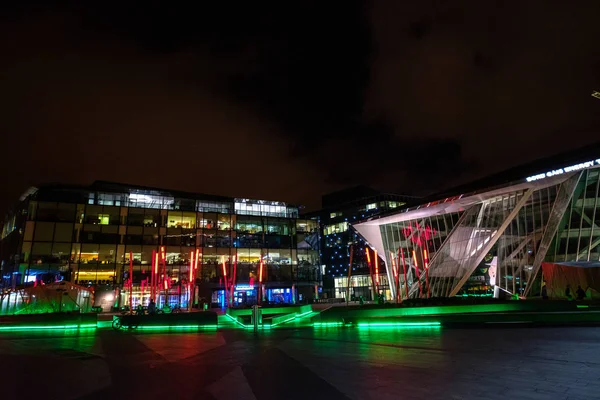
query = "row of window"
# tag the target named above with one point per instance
(157, 201)
(67, 232)
(109, 215)
(56, 253)
(119, 274)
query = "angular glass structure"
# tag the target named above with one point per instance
(492, 241)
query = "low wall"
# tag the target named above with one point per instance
(300, 309)
(57, 320)
(336, 314)
(201, 318)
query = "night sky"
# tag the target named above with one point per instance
(290, 100)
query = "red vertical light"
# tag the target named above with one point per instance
(155, 281)
(131, 281)
(191, 266)
(376, 257)
(426, 261)
(234, 274)
(418, 273)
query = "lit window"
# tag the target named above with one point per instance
(103, 219)
(335, 228)
(371, 206)
(393, 204)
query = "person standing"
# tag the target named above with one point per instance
(580, 293)
(568, 292)
(152, 307)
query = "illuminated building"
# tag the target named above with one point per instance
(94, 235)
(340, 210)
(494, 237)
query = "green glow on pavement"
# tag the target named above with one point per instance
(46, 327)
(399, 325)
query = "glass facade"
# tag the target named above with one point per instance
(337, 236)
(492, 242)
(90, 237)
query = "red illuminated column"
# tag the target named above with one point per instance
(234, 275)
(131, 281)
(191, 280)
(152, 273)
(155, 276)
(163, 257)
(414, 254)
(260, 279)
(426, 261)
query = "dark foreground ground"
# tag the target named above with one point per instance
(519, 363)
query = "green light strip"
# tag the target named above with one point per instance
(303, 314)
(582, 306)
(236, 321)
(175, 327)
(283, 322)
(327, 324)
(46, 327)
(400, 324)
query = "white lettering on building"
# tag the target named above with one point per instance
(559, 171)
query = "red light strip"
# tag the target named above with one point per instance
(234, 275)
(418, 273)
(426, 260)
(131, 281)
(191, 266)
(376, 266)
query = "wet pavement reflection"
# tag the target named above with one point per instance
(331, 363)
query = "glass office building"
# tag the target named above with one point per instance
(93, 235)
(340, 210)
(495, 240)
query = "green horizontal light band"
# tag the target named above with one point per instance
(47, 327)
(400, 324)
(169, 327)
(582, 306)
(327, 324)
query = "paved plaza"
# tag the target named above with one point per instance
(518, 363)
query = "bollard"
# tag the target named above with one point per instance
(256, 317)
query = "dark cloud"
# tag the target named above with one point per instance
(290, 100)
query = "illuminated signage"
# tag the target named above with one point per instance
(559, 171)
(243, 288)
